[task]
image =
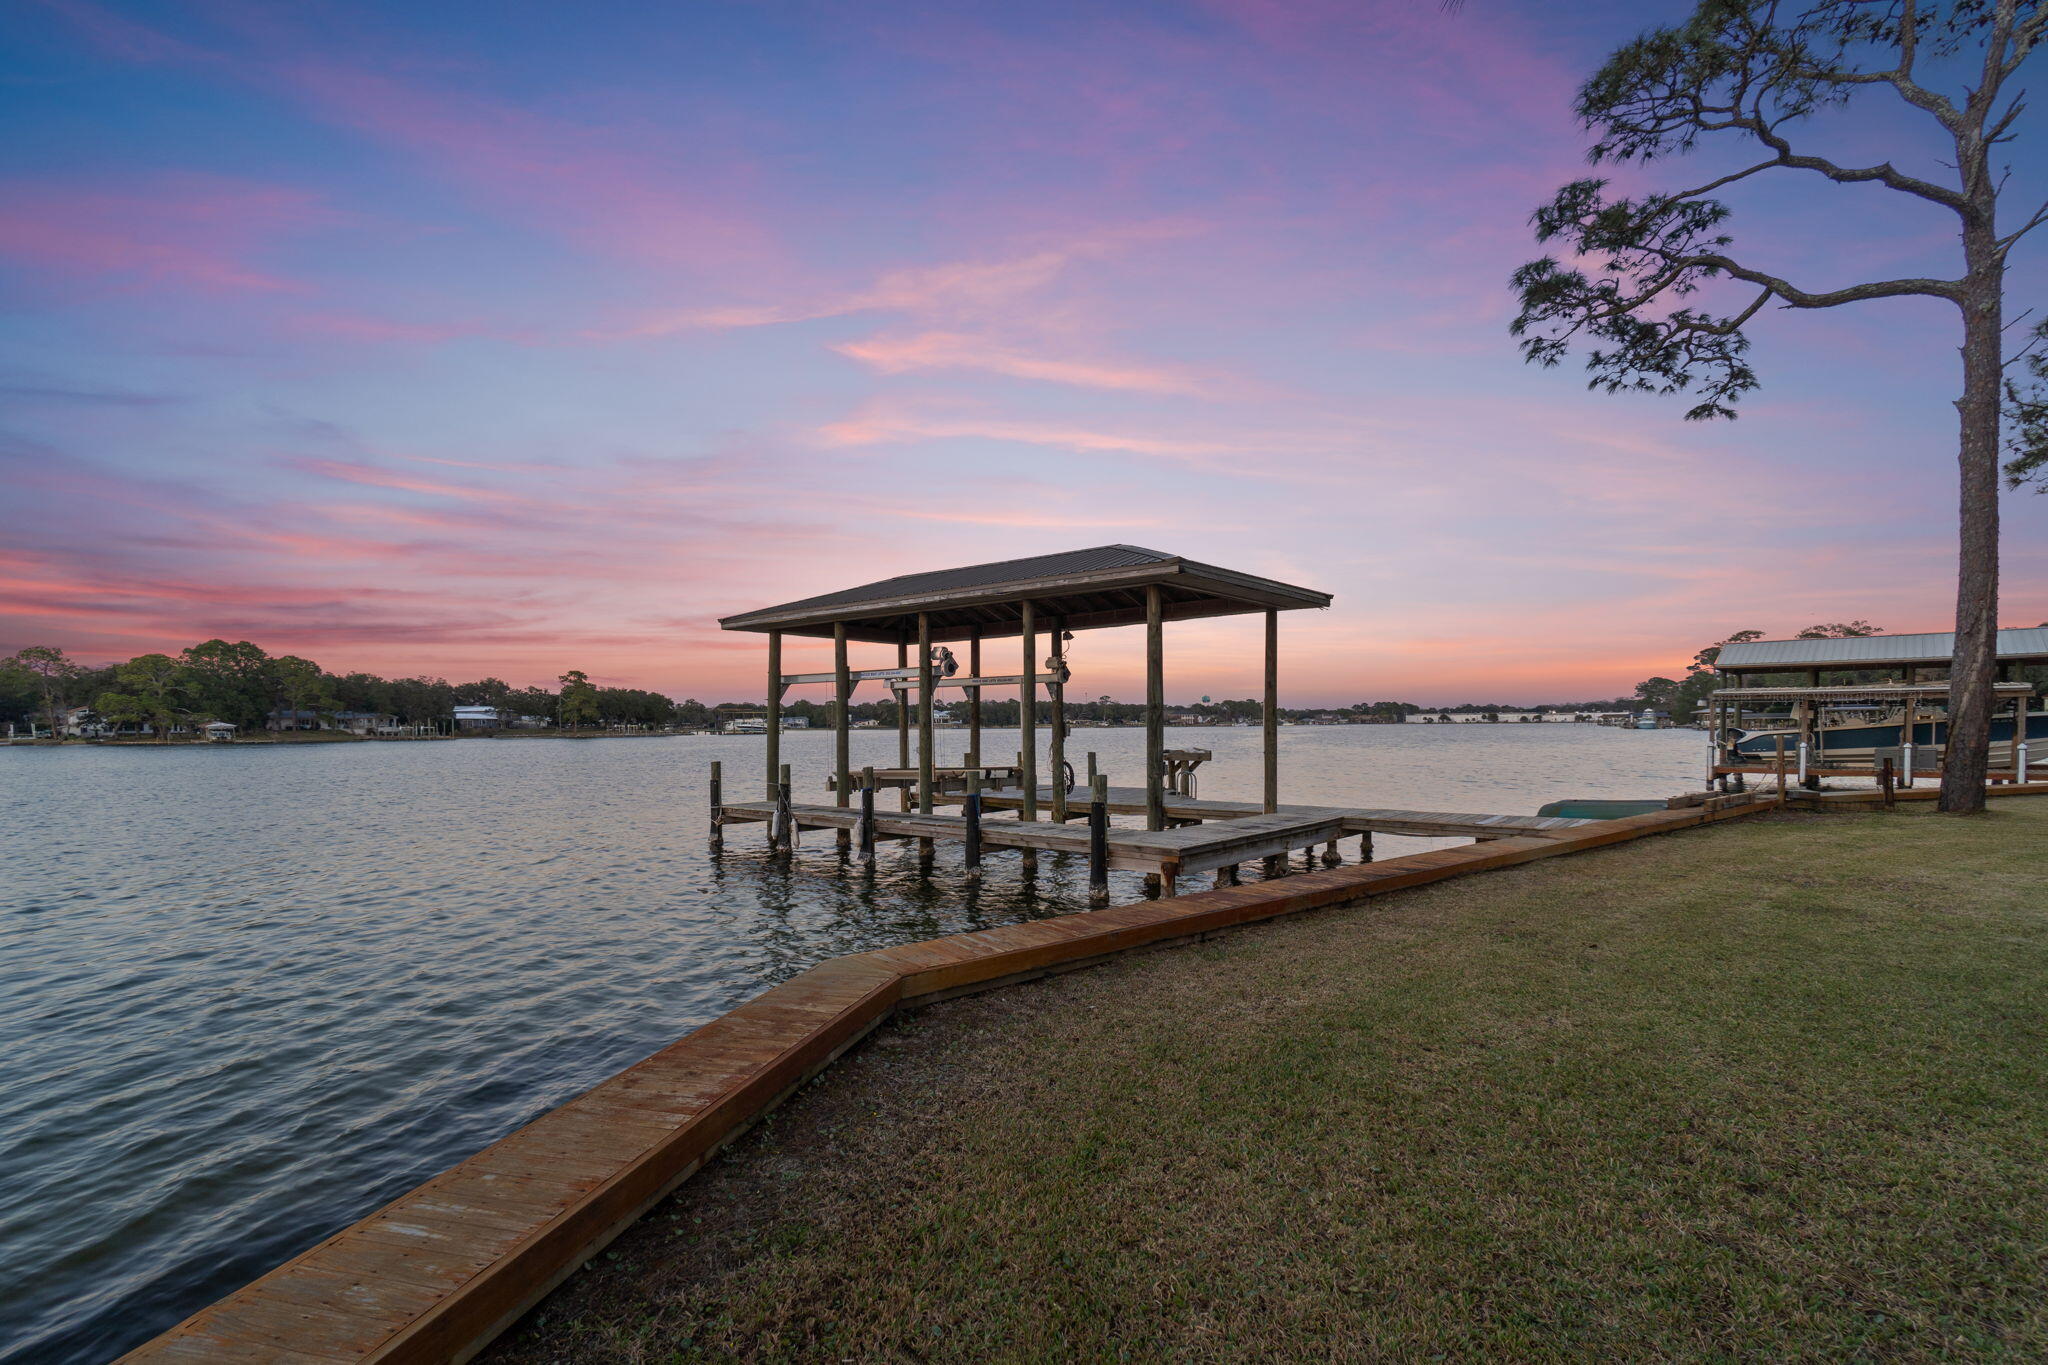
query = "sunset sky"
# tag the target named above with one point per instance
(504, 338)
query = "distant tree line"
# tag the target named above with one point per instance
(244, 686)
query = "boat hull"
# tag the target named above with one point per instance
(1844, 743)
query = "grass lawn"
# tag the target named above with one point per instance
(1772, 1089)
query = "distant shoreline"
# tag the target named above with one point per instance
(313, 738)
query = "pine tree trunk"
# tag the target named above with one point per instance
(1970, 702)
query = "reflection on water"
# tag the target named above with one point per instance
(248, 994)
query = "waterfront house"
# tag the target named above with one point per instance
(758, 725)
(353, 722)
(480, 718)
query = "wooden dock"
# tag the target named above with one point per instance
(437, 1273)
(1355, 819)
(1170, 853)
(1203, 836)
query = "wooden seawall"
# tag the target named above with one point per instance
(437, 1273)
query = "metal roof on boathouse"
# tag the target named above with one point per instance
(1086, 589)
(1872, 651)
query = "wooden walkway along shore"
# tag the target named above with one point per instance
(437, 1273)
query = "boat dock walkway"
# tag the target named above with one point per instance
(1354, 819)
(1206, 836)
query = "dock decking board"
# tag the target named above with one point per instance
(1356, 819)
(438, 1272)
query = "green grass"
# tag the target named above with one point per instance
(1773, 1089)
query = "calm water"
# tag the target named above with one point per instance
(248, 994)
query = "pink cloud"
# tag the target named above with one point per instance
(628, 190)
(197, 232)
(883, 422)
(123, 38)
(375, 476)
(958, 351)
(956, 286)
(1033, 521)
(605, 187)
(369, 330)
(984, 289)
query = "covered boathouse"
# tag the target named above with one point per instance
(1841, 707)
(923, 615)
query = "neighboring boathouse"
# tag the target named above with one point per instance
(1842, 707)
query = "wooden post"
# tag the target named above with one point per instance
(924, 713)
(867, 815)
(774, 727)
(1807, 745)
(2019, 733)
(1027, 721)
(971, 808)
(1057, 762)
(1907, 753)
(974, 693)
(842, 698)
(1155, 708)
(903, 724)
(1272, 722)
(1885, 784)
(784, 824)
(717, 806)
(1092, 771)
(1365, 847)
(1779, 742)
(1098, 841)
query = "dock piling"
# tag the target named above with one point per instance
(971, 809)
(785, 827)
(1056, 691)
(842, 695)
(1269, 717)
(902, 723)
(1331, 857)
(717, 807)
(1098, 838)
(1365, 847)
(867, 816)
(1885, 784)
(1155, 709)
(1027, 710)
